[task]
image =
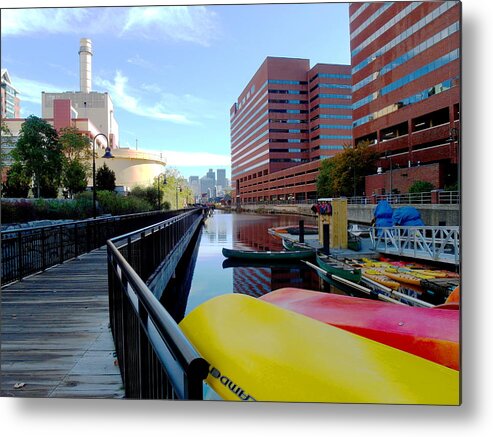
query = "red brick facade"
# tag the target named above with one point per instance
(406, 88)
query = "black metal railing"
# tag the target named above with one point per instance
(156, 359)
(30, 250)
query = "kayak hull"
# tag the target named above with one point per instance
(259, 351)
(425, 332)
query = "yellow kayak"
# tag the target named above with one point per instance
(258, 351)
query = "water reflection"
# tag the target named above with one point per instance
(214, 275)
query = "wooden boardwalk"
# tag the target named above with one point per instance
(55, 335)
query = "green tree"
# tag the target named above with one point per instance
(18, 182)
(76, 149)
(421, 187)
(40, 153)
(6, 142)
(105, 179)
(75, 177)
(344, 174)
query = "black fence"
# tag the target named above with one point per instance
(156, 359)
(31, 250)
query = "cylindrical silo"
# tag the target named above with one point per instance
(85, 61)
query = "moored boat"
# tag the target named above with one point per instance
(338, 268)
(267, 255)
(293, 245)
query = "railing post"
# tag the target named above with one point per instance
(21, 257)
(61, 243)
(43, 250)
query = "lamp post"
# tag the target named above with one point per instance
(390, 161)
(454, 137)
(178, 187)
(106, 155)
(159, 189)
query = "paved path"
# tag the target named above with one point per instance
(55, 336)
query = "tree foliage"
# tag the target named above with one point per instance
(344, 174)
(18, 182)
(421, 187)
(76, 149)
(40, 153)
(105, 178)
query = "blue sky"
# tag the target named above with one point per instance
(172, 72)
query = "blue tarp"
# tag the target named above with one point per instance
(385, 216)
(407, 216)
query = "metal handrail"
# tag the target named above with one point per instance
(156, 359)
(31, 250)
(443, 197)
(435, 243)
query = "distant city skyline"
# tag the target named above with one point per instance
(172, 72)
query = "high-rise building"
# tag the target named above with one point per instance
(285, 121)
(221, 178)
(405, 64)
(194, 183)
(211, 175)
(10, 102)
(207, 187)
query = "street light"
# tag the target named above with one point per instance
(107, 154)
(159, 189)
(390, 161)
(178, 187)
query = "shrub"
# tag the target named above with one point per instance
(421, 187)
(112, 203)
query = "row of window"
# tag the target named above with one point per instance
(330, 76)
(445, 6)
(330, 85)
(418, 97)
(331, 96)
(327, 147)
(370, 20)
(287, 91)
(288, 111)
(299, 160)
(288, 140)
(331, 106)
(290, 102)
(332, 116)
(332, 137)
(331, 126)
(286, 150)
(435, 39)
(359, 11)
(289, 131)
(289, 121)
(432, 66)
(287, 82)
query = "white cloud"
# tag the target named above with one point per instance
(30, 90)
(124, 98)
(177, 23)
(193, 24)
(52, 20)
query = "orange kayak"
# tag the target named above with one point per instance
(425, 332)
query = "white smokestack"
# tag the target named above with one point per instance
(85, 61)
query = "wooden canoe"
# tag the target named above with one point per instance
(339, 268)
(267, 255)
(425, 332)
(260, 351)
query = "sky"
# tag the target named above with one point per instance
(173, 72)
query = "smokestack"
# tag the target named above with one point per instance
(85, 61)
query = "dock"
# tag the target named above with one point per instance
(55, 337)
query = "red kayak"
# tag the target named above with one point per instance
(429, 333)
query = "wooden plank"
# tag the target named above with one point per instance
(55, 339)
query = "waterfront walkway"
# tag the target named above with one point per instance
(55, 335)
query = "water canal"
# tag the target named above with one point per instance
(205, 273)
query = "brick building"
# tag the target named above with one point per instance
(285, 121)
(405, 65)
